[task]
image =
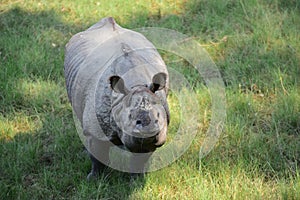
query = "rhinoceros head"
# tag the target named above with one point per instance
(140, 114)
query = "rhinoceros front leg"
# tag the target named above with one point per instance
(98, 150)
(97, 167)
(139, 165)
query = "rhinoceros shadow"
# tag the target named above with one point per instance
(47, 160)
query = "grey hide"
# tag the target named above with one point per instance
(117, 84)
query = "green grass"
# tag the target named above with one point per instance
(256, 45)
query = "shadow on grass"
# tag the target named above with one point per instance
(36, 165)
(47, 160)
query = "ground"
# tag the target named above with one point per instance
(254, 43)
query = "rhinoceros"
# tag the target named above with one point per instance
(117, 84)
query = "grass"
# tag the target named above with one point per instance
(256, 45)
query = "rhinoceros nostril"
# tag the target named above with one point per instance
(138, 122)
(156, 121)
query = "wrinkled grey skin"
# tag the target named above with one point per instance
(117, 84)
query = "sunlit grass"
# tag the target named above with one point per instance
(42, 95)
(19, 123)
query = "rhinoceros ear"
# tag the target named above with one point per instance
(158, 82)
(117, 84)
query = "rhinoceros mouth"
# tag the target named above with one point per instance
(142, 144)
(142, 135)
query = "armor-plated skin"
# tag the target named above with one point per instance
(117, 84)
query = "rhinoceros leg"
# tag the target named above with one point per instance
(138, 165)
(98, 150)
(97, 167)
